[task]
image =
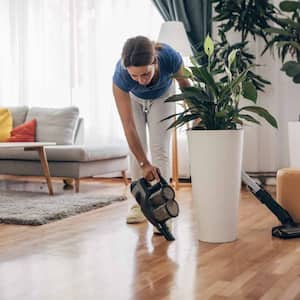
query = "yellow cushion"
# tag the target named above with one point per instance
(6, 124)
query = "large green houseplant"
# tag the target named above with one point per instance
(213, 109)
(213, 102)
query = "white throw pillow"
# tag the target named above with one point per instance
(55, 124)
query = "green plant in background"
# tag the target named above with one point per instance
(243, 60)
(213, 103)
(287, 38)
(245, 16)
(249, 18)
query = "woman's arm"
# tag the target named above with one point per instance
(123, 103)
(183, 82)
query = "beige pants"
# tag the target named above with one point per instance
(153, 133)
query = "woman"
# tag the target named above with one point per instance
(142, 81)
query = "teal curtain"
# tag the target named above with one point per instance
(196, 15)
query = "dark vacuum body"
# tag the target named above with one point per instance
(157, 203)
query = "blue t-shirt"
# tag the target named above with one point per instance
(169, 62)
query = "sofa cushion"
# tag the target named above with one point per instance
(76, 153)
(24, 132)
(5, 124)
(18, 114)
(55, 124)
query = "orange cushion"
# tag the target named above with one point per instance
(24, 132)
(288, 190)
(5, 124)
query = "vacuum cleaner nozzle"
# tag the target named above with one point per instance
(286, 231)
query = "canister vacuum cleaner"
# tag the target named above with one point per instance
(157, 203)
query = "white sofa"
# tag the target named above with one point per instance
(69, 158)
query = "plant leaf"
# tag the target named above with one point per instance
(249, 118)
(292, 68)
(231, 57)
(278, 31)
(227, 90)
(238, 121)
(208, 46)
(289, 6)
(291, 43)
(207, 78)
(175, 98)
(183, 119)
(195, 93)
(296, 79)
(262, 112)
(187, 73)
(221, 114)
(171, 116)
(287, 22)
(249, 91)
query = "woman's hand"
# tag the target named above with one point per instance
(150, 172)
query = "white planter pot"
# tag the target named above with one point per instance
(294, 143)
(216, 164)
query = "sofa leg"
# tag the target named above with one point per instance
(125, 177)
(77, 181)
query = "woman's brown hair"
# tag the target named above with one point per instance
(139, 51)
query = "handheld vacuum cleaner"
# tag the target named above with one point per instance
(289, 229)
(157, 203)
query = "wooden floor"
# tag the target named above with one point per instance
(96, 255)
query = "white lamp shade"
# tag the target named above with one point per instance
(173, 34)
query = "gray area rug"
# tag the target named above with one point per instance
(34, 208)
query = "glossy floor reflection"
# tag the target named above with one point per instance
(96, 255)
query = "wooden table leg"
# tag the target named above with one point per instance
(44, 162)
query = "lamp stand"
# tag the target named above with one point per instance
(175, 182)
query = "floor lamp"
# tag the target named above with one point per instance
(174, 34)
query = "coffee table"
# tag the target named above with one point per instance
(40, 148)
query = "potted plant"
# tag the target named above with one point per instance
(215, 140)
